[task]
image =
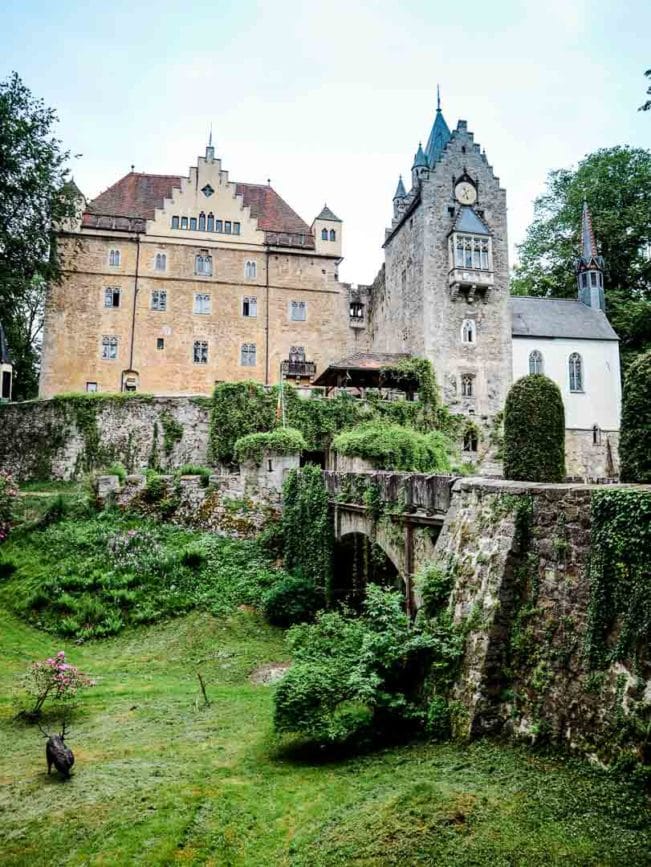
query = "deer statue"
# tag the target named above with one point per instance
(57, 753)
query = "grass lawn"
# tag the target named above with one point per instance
(158, 780)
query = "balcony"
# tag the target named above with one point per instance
(469, 282)
(298, 369)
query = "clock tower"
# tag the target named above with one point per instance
(445, 292)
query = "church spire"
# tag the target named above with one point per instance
(400, 192)
(589, 267)
(439, 136)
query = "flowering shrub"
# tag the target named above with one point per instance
(136, 550)
(8, 493)
(54, 679)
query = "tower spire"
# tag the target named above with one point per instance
(210, 150)
(438, 98)
(588, 243)
(589, 267)
(439, 136)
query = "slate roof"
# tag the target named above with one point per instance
(326, 214)
(5, 357)
(469, 221)
(558, 317)
(438, 139)
(364, 369)
(137, 195)
(400, 192)
(419, 157)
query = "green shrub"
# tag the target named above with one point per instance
(8, 494)
(292, 599)
(435, 585)
(437, 725)
(282, 441)
(195, 470)
(534, 431)
(354, 677)
(635, 440)
(393, 447)
(156, 488)
(116, 469)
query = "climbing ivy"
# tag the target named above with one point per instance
(393, 447)
(238, 409)
(420, 370)
(619, 614)
(172, 432)
(307, 528)
(282, 441)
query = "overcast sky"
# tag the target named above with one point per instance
(329, 99)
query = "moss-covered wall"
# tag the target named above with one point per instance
(528, 585)
(66, 436)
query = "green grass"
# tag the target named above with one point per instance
(159, 781)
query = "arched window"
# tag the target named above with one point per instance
(535, 361)
(596, 435)
(161, 261)
(470, 440)
(203, 264)
(324, 234)
(109, 348)
(211, 222)
(467, 385)
(250, 270)
(576, 372)
(247, 355)
(468, 331)
(200, 352)
(333, 235)
(202, 222)
(114, 258)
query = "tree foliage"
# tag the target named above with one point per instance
(393, 447)
(35, 196)
(646, 106)
(281, 441)
(616, 183)
(534, 431)
(635, 441)
(307, 528)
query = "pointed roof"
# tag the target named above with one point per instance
(588, 243)
(400, 192)
(419, 158)
(469, 221)
(326, 214)
(5, 357)
(439, 136)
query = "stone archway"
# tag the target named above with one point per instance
(358, 560)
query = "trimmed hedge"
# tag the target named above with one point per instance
(393, 447)
(635, 442)
(282, 441)
(534, 431)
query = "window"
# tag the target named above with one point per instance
(184, 222)
(356, 310)
(535, 361)
(219, 226)
(247, 355)
(593, 278)
(236, 228)
(467, 385)
(175, 222)
(202, 222)
(471, 252)
(160, 263)
(297, 354)
(210, 225)
(324, 234)
(193, 224)
(91, 386)
(160, 343)
(250, 270)
(576, 372)
(111, 297)
(200, 352)
(201, 303)
(159, 299)
(227, 227)
(596, 435)
(114, 258)
(584, 280)
(468, 331)
(250, 307)
(203, 264)
(109, 348)
(333, 235)
(470, 440)
(297, 311)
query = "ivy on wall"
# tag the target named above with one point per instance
(282, 441)
(307, 528)
(394, 447)
(619, 615)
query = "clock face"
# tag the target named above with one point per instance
(465, 193)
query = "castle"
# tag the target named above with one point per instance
(174, 283)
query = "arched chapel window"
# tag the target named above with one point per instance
(468, 333)
(535, 361)
(576, 372)
(324, 234)
(333, 235)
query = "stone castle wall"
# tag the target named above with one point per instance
(62, 438)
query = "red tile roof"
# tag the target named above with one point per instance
(137, 195)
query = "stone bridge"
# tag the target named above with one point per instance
(402, 513)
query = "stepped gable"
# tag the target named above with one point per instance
(137, 195)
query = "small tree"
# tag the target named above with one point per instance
(635, 442)
(534, 431)
(55, 680)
